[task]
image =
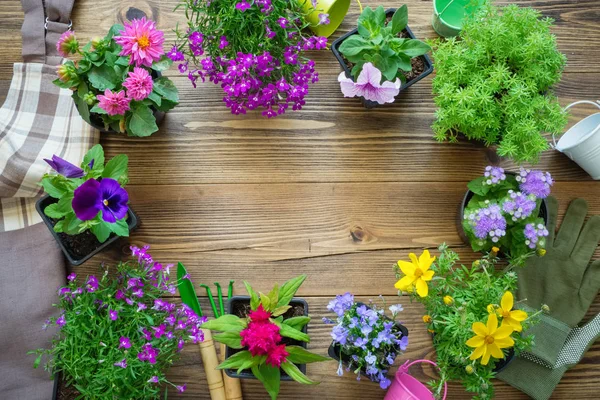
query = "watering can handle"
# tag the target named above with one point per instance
(594, 103)
(409, 364)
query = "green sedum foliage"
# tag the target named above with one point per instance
(495, 85)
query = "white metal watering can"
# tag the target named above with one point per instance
(581, 143)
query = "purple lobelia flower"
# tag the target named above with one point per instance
(114, 315)
(243, 5)
(493, 175)
(122, 363)
(124, 342)
(71, 277)
(339, 334)
(107, 196)
(518, 205)
(154, 379)
(323, 19)
(61, 321)
(403, 343)
(64, 167)
(341, 303)
(181, 388)
(534, 182)
(92, 284)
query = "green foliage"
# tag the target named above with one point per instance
(472, 290)
(378, 42)
(495, 85)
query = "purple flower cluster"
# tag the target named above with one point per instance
(493, 175)
(534, 182)
(535, 235)
(367, 337)
(488, 222)
(518, 205)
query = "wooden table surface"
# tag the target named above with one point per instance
(334, 191)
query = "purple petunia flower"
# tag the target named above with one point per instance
(64, 167)
(107, 196)
(536, 183)
(122, 363)
(124, 342)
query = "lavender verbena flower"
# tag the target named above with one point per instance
(341, 303)
(535, 235)
(339, 334)
(519, 205)
(493, 175)
(534, 182)
(487, 222)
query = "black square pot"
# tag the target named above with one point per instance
(334, 348)
(247, 374)
(405, 85)
(41, 204)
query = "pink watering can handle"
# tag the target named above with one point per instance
(594, 103)
(409, 364)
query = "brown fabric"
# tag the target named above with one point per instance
(32, 269)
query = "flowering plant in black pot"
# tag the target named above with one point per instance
(87, 207)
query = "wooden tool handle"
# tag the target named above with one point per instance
(213, 375)
(233, 387)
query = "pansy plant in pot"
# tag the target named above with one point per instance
(255, 50)
(507, 211)
(116, 81)
(266, 334)
(471, 314)
(117, 337)
(381, 57)
(87, 207)
(365, 340)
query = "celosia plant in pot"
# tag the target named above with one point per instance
(381, 57)
(495, 84)
(266, 334)
(256, 51)
(87, 208)
(116, 81)
(365, 339)
(117, 338)
(471, 313)
(507, 211)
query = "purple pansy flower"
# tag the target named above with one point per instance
(107, 196)
(64, 167)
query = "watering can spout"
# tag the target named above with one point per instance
(406, 387)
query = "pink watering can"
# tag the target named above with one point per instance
(405, 387)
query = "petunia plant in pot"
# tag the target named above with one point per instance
(87, 207)
(365, 340)
(381, 57)
(471, 313)
(507, 212)
(117, 336)
(255, 50)
(116, 80)
(266, 334)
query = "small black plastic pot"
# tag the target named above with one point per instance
(247, 374)
(335, 46)
(132, 223)
(334, 348)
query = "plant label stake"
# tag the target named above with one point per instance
(581, 143)
(406, 387)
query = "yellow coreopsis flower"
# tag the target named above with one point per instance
(489, 339)
(512, 318)
(427, 319)
(416, 273)
(448, 300)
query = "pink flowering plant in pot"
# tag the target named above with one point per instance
(116, 337)
(265, 335)
(256, 50)
(116, 80)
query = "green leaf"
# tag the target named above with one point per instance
(293, 333)
(274, 296)
(103, 77)
(265, 301)
(236, 360)
(297, 322)
(400, 20)
(367, 24)
(254, 301)
(155, 98)
(54, 186)
(82, 106)
(186, 290)
(71, 224)
(101, 231)
(37, 361)
(354, 45)
(230, 338)
(289, 289)
(270, 377)
(299, 355)
(162, 64)
(59, 226)
(116, 167)
(476, 186)
(120, 227)
(96, 153)
(96, 109)
(51, 211)
(64, 85)
(224, 323)
(165, 87)
(414, 48)
(142, 121)
(280, 310)
(114, 31)
(122, 61)
(403, 62)
(166, 105)
(296, 374)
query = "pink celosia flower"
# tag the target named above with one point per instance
(142, 41)
(260, 315)
(114, 103)
(369, 86)
(67, 44)
(277, 355)
(260, 337)
(139, 84)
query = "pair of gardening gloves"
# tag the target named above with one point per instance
(567, 282)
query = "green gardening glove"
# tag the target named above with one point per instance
(563, 279)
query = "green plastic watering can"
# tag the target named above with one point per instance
(448, 15)
(337, 10)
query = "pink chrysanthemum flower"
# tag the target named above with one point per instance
(114, 103)
(139, 84)
(142, 41)
(67, 44)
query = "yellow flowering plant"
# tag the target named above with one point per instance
(470, 312)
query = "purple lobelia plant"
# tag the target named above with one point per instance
(254, 50)
(91, 197)
(504, 212)
(365, 339)
(116, 336)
